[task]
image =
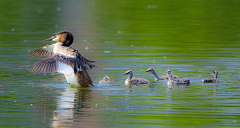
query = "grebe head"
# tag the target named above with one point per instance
(169, 72)
(64, 37)
(129, 72)
(150, 70)
(215, 74)
(106, 77)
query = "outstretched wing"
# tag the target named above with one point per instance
(43, 51)
(56, 63)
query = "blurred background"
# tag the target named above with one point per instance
(193, 38)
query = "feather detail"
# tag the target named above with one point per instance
(42, 51)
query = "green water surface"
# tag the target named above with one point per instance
(193, 38)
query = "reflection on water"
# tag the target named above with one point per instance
(192, 38)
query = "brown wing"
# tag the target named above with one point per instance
(80, 59)
(51, 63)
(42, 51)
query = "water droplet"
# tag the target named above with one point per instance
(52, 74)
(164, 57)
(28, 51)
(31, 104)
(13, 29)
(119, 32)
(58, 9)
(56, 26)
(96, 105)
(87, 42)
(234, 121)
(153, 61)
(86, 48)
(131, 45)
(107, 51)
(44, 74)
(148, 6)
(39, 11)
(25, 40)
(15, 101)
(144, 47)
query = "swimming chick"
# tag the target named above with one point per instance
(176, 81)
(105, 80)
(211, 80)
(133, 80)
(64, 59)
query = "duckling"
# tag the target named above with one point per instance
(133, 80)
(64, 59)
(152, 71)
(176, 81)
(211, 80)
(105, 80)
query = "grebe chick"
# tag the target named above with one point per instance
(105, 80)
(211, 80)
(176, 81)
(133, 80)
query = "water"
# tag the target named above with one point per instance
(192, 38)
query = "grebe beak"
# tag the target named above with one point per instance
(48, 39)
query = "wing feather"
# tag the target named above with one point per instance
(51, 63)
(42, 51)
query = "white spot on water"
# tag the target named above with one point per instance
(164, 57)
(234, 121)
(25, 40)
(31, 104)
(144, 47)
(84, 40)
(56, 26)
(153, 61)
(15, 101)
(13, 29)
(119, 32)
(87, 42)
(52, 74)
(44, 74)
(95, 105)
(39, 11)
(131, 45)
(107, 51)
(86, 48)
(28, 51)
(58, 9)
(152, 6)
